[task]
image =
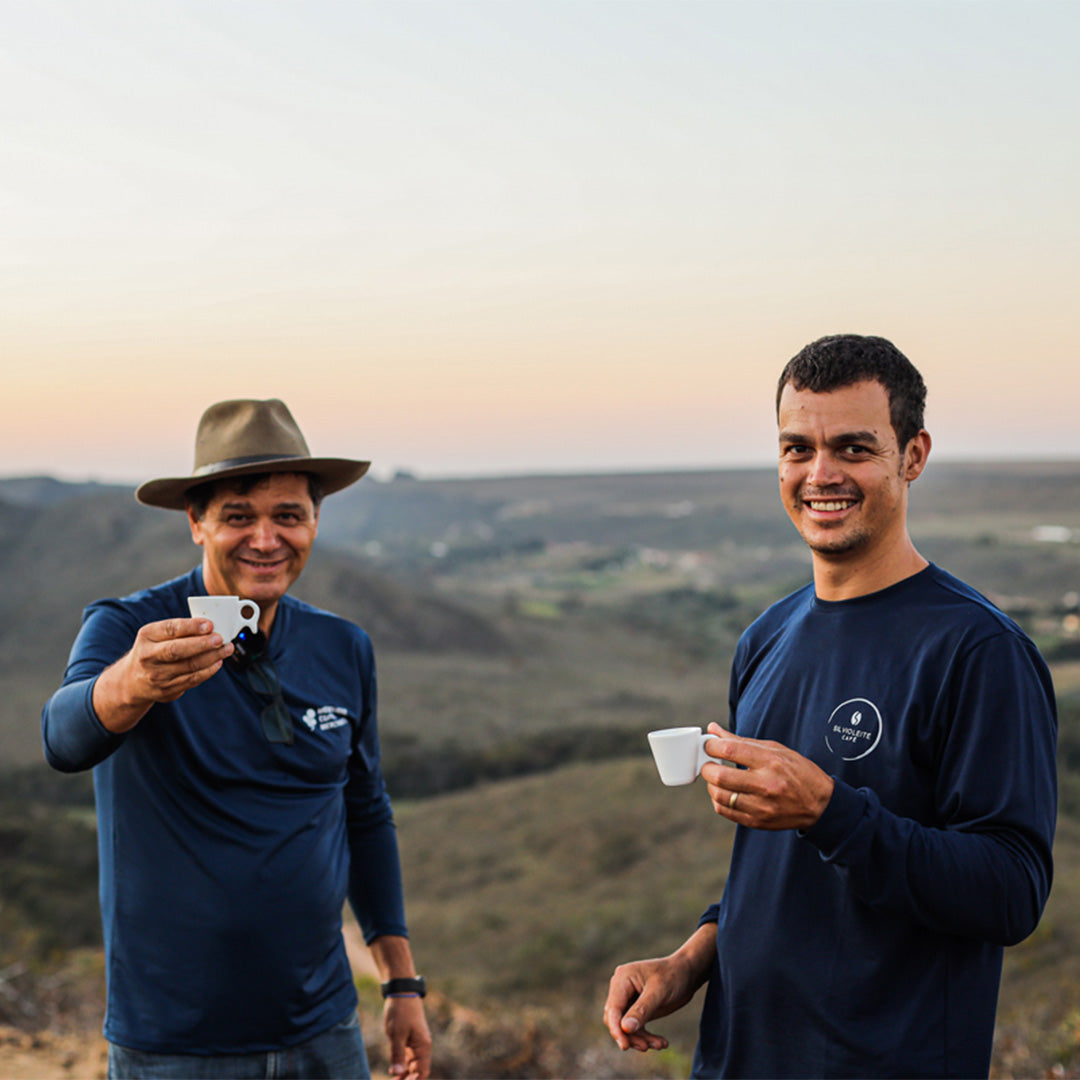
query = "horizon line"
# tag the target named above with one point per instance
(405, 474)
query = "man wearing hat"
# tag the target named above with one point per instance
(239, 793)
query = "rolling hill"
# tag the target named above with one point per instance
(529, 632)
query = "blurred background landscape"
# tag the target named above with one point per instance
(529, 632)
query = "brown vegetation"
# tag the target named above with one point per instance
(529, 633)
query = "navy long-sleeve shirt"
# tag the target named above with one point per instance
(871, 944)
(226, 859)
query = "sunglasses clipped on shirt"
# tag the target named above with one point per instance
(251, 659)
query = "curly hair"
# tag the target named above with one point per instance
(842, 359)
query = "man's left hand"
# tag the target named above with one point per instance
(409, 1037)
(776, 788)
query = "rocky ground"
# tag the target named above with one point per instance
(60, 1037)
(47, 1055)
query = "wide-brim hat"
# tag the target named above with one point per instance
(238, 438)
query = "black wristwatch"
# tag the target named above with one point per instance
(395, 987)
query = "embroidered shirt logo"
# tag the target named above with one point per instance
(854, 729)
(326, 717)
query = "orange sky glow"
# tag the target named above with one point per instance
(479, 238)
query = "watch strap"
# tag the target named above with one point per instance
(401, 987)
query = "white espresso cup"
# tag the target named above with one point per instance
(229, 614)
(679, 753)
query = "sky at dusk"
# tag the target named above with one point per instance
(505, 237)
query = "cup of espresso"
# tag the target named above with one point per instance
(229, 614)
(679, 753)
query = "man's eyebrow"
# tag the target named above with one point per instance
(246, 506)
(848, 437)
(845, 438)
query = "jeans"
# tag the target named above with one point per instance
(337, 1054)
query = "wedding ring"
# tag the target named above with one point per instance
(733, 800)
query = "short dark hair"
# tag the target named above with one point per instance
(198, 497)
(842, 359)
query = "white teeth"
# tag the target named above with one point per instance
(829, 505)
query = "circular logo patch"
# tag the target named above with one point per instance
(854, 729)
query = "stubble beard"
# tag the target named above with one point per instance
(842, 545)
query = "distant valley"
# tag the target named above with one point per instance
(522, 567)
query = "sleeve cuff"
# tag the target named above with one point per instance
(710, 916)
(73, 736)
(840, 819)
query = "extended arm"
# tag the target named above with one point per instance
(117, 672)
(167, 659)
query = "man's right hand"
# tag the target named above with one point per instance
(649, 989)
(168, 659)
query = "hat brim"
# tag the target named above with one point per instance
(335, 473)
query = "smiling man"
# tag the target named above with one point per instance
(232, 821)
(896, 796)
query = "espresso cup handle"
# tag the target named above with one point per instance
(249, 621)
(704, 757)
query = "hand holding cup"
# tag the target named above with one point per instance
(166, 659)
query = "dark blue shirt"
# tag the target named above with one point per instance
(871, 945)
(226, 859)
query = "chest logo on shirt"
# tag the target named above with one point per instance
(326, 717)
(854, 729)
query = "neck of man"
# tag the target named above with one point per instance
(267, 611)
(847, 575)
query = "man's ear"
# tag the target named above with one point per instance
(196, 526)
(916, 454)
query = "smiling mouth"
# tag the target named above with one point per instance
(263, 564)
(828, 502)
(829, 506)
